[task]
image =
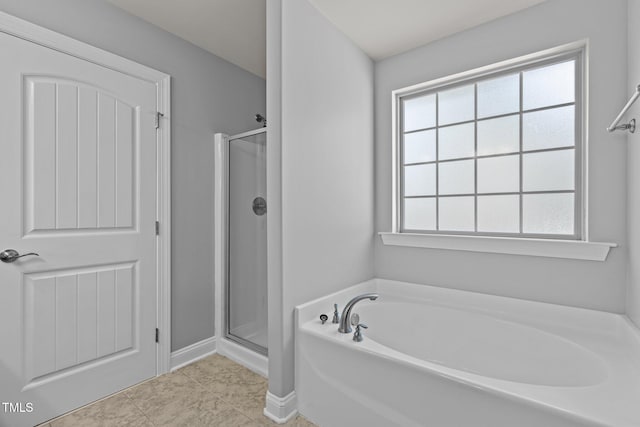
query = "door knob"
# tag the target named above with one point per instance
(10, 255)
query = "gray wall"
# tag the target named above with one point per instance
(208, 95)
(598, 285)
(327, 168)
(633, 172)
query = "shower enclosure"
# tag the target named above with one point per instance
(243, 239)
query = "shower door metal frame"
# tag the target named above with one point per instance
(227, 270)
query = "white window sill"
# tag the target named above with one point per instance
(569, 249)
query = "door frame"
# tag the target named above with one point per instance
(28, 31)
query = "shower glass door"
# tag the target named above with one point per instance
(247, 241)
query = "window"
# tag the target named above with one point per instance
(496, 151)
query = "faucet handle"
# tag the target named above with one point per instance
(357, 335)
(336, 316)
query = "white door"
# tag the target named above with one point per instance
(78, 187)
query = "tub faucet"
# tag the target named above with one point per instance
(345, 327)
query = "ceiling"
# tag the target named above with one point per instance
(231, 29)
(384, 28)
(235, 29)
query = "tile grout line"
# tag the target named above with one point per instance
(195, 402)
(231, 403)
(133, 402)
(88, 405)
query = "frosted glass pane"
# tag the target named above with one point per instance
(499, 96)
(456, 213)
(499, 214)
(456, 177)
(499, 174)
(548, 171)
(420, 214)
(456, 141)
(548, 128)
(420, 180)
(419, 113)
(497, 136)
(420, 147)
(456, 105)
(548, 213)
(550, 85)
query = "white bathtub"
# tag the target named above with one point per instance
(439, 357)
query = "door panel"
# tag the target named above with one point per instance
(78, 186)
(77, 316)
(79, 169)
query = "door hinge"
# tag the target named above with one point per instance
(157, 228)
(158, 116)
(157, 335)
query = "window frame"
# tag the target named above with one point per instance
(574, 51)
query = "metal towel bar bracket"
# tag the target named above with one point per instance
(631, 126)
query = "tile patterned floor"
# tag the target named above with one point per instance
(213, 392)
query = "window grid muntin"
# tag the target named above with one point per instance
(499, 116)
(521, 144)
(506, 193)
(475, 160)
(437, 163)
(576, 57)
(489, 156)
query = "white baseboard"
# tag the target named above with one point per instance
(247, 358)
(192, 353)
(281, 409)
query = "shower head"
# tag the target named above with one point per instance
(261, 119)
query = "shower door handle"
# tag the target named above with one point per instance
(259, 206)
